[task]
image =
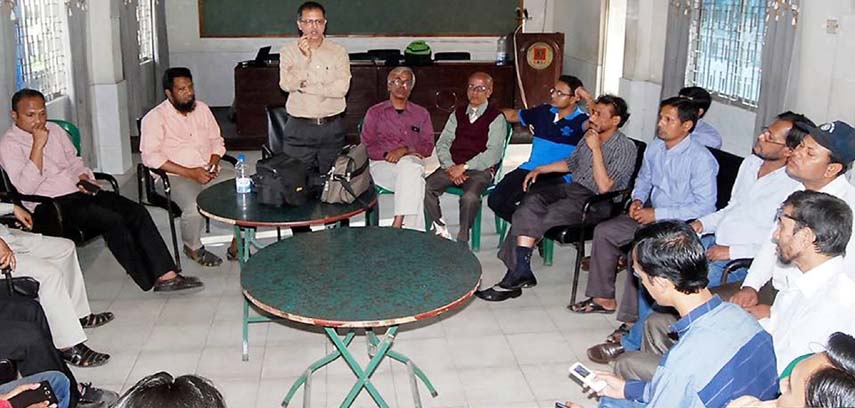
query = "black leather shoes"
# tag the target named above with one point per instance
(605, 353)
(524, 283)
(498, 294)
(179, 284)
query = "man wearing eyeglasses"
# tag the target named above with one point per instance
(316, 74)
(557, 127)
(398, 135)
(469, 148)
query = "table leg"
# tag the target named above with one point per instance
(414, 370)
(304, 379)
(364, 376)
(245, 240)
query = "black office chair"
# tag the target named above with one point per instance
(728, 169)
(359, 56)
(386, 55)
(149, 196)
(577, 234)
(452, 56)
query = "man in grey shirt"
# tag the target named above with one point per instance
(603, 163)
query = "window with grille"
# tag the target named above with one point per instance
(145, 36)
(41, 50)
(726, 48)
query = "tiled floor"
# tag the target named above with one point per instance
(511, 354)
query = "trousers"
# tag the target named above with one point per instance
(184, 192)
(407, 179)
(470, 202)
(610, 238)
(315, 145)
(508, 194)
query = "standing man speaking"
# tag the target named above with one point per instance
(316, 74)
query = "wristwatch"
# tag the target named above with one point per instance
(465, 166)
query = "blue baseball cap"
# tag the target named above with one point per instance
(837, 136)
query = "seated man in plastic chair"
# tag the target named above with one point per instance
(40, 160)
(603, 162)
(469, 148)
(181, 137)
(398, 135)
(739, 229)
(557, 126)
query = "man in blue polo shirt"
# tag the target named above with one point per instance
(557, 128)
(722, 354)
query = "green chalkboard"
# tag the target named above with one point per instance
(275, 18)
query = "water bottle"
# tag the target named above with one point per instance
(243, 183)
(502, 51)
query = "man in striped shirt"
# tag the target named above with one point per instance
(603, 163)
(723, 353)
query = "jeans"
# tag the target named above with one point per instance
(608, 402)
(58, 382)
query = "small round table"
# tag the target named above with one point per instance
(361, 278)
(221, 202)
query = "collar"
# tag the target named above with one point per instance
(683, 324)
(813, 280)
(479, 110)
(836, 187)
(387, 104)
(680, 147)
(571, 115)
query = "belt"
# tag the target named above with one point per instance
(318, 121)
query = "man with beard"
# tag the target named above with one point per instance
(316, 74)
(739, 229)
(40, 159)
(603, 162)
(181, 137)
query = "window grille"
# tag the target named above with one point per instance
(41, 47)
(726, 49)
(145, 36)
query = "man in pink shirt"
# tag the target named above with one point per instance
(40, 159)
(182, 137)
(398, 135)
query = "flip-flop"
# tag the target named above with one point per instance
(618, 334)
(203, 257)
(589, 306)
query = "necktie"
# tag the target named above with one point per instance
(473, 115)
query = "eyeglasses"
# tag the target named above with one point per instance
(315, 22)
(477, 88)
(780, 214)
(560, 93)
(766, 136)
(400, 83)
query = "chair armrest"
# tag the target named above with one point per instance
(109, 178)
(734, 265)
(229, 158)
(599, 198)
(18, 199)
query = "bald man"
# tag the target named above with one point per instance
(469, 150)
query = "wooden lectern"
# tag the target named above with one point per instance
(539, 59)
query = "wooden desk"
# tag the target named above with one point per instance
(439, 88)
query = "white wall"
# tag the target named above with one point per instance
(212, 60)
(579, 20)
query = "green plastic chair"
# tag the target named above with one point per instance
(72, 131)
(501, 225)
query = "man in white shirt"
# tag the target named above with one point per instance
(819, 163)
(812, 235)
(738, 230)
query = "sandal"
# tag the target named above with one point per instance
(231, 255)
(618, 334)
(589, 306)
(83, 356)
(96, 320)
(203, 257)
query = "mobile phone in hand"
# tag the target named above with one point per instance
(89, 186)
(587, 377)
(31, 397)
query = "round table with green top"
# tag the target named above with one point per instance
(369, 278)
(221, 202)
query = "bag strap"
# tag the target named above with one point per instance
(345, 183)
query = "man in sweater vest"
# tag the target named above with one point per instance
(469, 148)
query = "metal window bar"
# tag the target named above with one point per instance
(145, 36)
(726, 47)
(40, 29)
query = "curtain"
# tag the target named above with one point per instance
(7, 64)
(131, 61)
(778, 64)
(79, 38)
(676, 47)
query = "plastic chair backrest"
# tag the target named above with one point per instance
(72, 131)
(499, 170)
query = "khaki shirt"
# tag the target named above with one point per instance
(325, 79)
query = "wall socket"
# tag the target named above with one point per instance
(832, 26)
